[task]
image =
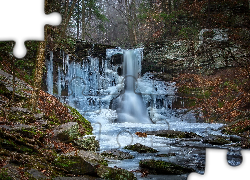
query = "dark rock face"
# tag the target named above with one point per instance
(163, 167)
(83, 49)
(117, 59)
(140, 148)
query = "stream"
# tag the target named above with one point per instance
(120, 104)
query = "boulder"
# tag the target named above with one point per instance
(163, 167)
(140, 148)
(87, 142)
(117, 154)
(67, 131)
(75, 165)
(93, 158)
(84, 177)
(114, 173)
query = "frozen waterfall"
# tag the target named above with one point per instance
(95, 87)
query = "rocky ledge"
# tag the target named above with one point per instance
(163, 167)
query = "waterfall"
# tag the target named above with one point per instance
(132, 108)
(93, 86)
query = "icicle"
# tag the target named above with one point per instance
(59, 87)
(49, 80)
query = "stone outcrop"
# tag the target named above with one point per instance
(208, 52)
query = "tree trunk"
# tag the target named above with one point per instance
(130, 25)
(66, 19)
(78, 20)
(83, 20)
(40, 59)
(169, 6)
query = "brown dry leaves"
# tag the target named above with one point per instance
(223, 97)
(51, 106)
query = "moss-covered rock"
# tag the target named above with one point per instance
(67, 132)
(83, 123)
(4, 174)
(163, 167)
(116, 154)
(75, 165)
(140, 148)
(88, 143)
(114, 174)
(216, 140)
(92, 157)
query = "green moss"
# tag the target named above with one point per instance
(21, 117)
(220, 104)
(87, 143)
(8, 144)
(103, 162)
(81, 120)
(163, 167)
(114, 174)
(30, 133)
(70, 134)
(4, 174)
(74, 164)
(140, 148)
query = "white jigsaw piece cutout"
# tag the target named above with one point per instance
(23, 20)
(217, 167)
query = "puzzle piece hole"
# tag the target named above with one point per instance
(234, 157)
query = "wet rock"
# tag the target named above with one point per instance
(116, 154)
(67, 131)
(189, 117)
(114, 173)
(75, 165)
(37, 174)
(235, 138)
(93, 158)
(84, 177)
(166, 155)
(140, 148)
(116, 59)
(163, 167)
(88, 143)
(216, 140)
(173, 134)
